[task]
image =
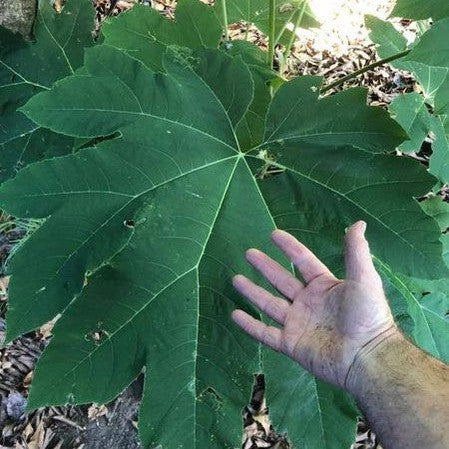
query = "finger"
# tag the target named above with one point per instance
(268, 335)
(358, 260)
(305, 261)
(281, 279)
(269, 304)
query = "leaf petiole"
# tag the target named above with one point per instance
(271, 33)
(363, 70)
(289, 47)
(225, 19)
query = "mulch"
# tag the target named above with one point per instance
(114, 425)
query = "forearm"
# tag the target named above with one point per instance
(403, 392)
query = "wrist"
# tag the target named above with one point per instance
(367, 356)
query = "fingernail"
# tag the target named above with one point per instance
(363, 227)
(250, 253)
(235, 279)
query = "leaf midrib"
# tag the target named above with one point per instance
(343, 195)
(219, 208)
(318, 134)
(111, 217)
(143, 114)
(110, 336)
(58, 45)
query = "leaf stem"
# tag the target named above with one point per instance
(271, 33)
(363, 70)
(293, 36)
(225, 18)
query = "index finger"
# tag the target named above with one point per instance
(304, 260)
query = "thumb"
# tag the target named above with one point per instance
(358, 260)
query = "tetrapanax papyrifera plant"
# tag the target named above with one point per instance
(187, 149)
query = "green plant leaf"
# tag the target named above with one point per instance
(428, 312)
(229, 78)
(439, 161)
(418, 9)
(428, 61)
(436, 311)
(431, 49)
(252, 127)
(144, 231)
(411, 112)
(389, 40)
(33, 146)
(30, 67)
(336, 120)
(432, 53)
(326, 415)
(429, 300)
(438, 209)
(144, 33)
(429, 78)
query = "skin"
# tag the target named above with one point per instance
(343, 332)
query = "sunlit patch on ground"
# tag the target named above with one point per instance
(343, 22)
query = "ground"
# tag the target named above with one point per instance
(338, 48)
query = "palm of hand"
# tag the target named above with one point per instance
(325, 322)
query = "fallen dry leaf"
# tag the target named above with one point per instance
(94, 412)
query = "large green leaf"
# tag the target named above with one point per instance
(429, 62)
(252, 126)
(429, 312)
(431, 49)
(421, 9)
(438, 209)
(432, 53)
(429, 300)
(144, 33)
(144, 231)
(389, 41)
(229, 78)
(30, 147)
(313, 413)
(411, 112)
(439, 161)
(29, 67)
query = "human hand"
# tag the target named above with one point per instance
(326, 321)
